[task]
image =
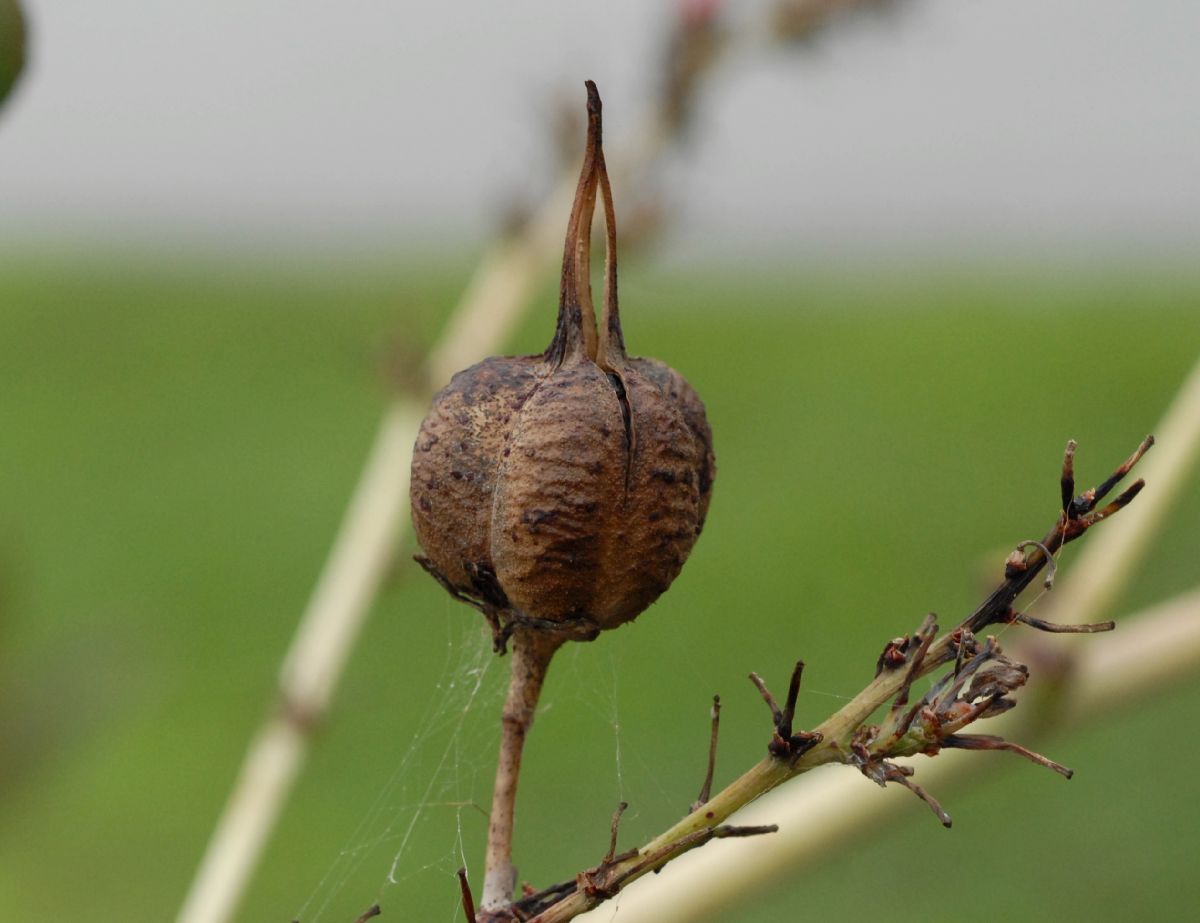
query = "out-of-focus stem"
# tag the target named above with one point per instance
(370, 532)
(361, 554)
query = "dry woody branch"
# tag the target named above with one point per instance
(975, 684)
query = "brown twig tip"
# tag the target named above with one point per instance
(761, 686)
(728, 830)
(1080, 515)
(594, 106)
(882, 772)
(789, 708)
(1124, 498)
(1060, 629)
(616, 824)
(892, 655)
(1068, 475)
(784, 743)
(706, 788)
(992, 742)
(924, 637)
(1087, 501)
(468, 899)
(372, 911)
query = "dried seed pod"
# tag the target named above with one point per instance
(567, 488)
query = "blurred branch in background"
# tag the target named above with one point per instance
(374, 523)
(802, 19)
(12, 46)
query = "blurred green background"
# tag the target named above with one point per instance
(210, 289)
(179, 436)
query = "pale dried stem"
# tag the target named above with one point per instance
(530, 659)
(360, 557)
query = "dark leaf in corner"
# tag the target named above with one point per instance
(12, 45)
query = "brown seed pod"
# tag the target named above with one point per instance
(565, 489)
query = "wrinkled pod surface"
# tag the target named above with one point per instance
(565, 490)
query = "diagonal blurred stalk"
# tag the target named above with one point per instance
(370, 533)
(353, 572)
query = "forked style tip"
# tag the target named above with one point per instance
(593, 97)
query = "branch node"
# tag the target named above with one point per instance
(786, 744)
(892, 656)
(1051, 562)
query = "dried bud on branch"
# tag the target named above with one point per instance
(934, 722)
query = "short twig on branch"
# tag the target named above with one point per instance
(468, 899)
(706, 788)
